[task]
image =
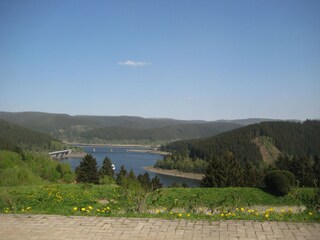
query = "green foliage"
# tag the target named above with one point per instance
(87, 171)
(224, 172)
(106, 169)
(14, 138)
(277, 182)
(184, 164)
(289, 137)
(113, 201)
(31, 169)
(306, 170)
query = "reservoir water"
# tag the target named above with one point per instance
(131, 160)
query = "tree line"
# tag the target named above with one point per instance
(88, 172)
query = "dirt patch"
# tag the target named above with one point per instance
(268, 150)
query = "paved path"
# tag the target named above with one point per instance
(86, 228)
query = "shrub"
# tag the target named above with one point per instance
(277, 183)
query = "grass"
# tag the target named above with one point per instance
(174, 203)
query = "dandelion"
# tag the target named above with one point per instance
(310, 213)
(242, 209)
(237, 209)
(188, 215)
(83, 209)
(90, 207)
(282, 210)
(157, 211)
(28, 208)
(266, 215)
(222, 214)
(180, 215)
(108, 208)
(75, 209)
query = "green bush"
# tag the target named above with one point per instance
(277, 183)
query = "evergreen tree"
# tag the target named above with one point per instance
(121, 175)
(87, 171)
(215, 175)
(155, 183)
(106, 169)
(131, 175)
(233, 171)
(145, 180)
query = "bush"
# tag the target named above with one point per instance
(277, 183)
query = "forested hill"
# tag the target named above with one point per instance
(115, 128)
(12, 137)
(175, 132)
(291, 138)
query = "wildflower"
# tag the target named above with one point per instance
(83, 209)
(242, 209)
(222, 214)
(180, 215)
(28, 208)
(108, 208)
(310, 213)
(171, 213)
(98, 210)
(282, 210)
(266, 215)
(75, 209)
(237, 209)
(157, 211)
(188, 215)
(164, 209)
(90, 207)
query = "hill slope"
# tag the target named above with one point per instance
(176, 132)
(121, 128)
(13, 136)
(289, 137)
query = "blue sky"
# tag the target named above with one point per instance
(177, 59)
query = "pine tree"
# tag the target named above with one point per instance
(215, 175)
(87, 171)
(155, 183)
(106, 169)
(121, 175)
(145, 180)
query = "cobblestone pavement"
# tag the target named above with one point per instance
(75, 227)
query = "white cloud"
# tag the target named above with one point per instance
(133, 63)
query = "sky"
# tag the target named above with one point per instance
(177, 59)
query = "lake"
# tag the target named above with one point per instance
(131, 160)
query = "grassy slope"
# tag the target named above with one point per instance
(110, 200)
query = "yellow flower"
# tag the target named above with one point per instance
(237, 209)
(180, 215)
(310, 213)
(108, 208)
(222, 214)
(75, 209)
(282, 210)
(171, 213)
(28, 208)
(242, 209)
(188, 215)
(98, 210)
(83, 209)
(266, 215)
(90, 207)
(157, 211)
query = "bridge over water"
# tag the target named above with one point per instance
(60, 154)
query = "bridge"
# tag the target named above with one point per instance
(60, 154)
